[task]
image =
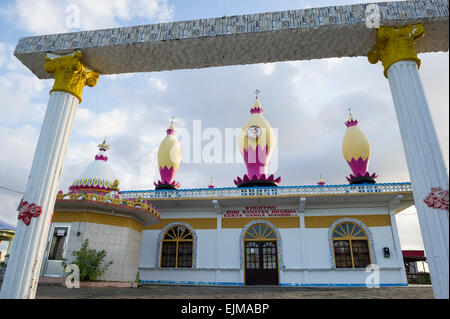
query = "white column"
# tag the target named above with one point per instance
(397, 246)
(426, 167)
(303, 245)
(218, 253)
(22, 273)
(219, 277)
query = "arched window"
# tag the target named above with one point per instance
(260, 232)
(351, 246)
(177, 247)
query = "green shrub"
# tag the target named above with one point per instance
(89, 261)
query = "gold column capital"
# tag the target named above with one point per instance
(396, 44)
(71, 74)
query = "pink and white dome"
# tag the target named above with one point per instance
(256, 142)
(169, 159)
(356, 151)
(98, 176)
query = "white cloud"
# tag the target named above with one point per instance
(3, 53)
(21, 92)
(267, 68)
(54, 16)
(17, 147)
(158, 84)
(409, 229)
(99, 125)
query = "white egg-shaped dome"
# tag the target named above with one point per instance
(98, 176)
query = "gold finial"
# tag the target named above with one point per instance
(350, 117)
(321, 181)
(115, 185)
(171, 127)
(256, 104)
(211, 185)
(104, 145)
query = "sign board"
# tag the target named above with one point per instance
(260, 212)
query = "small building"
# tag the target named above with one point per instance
(6, 234)
(93, 210)
(257, 233)
(416, 274)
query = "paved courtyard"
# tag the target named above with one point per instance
(198, 292)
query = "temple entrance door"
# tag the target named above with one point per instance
(55, 251)
(260, 256)
(261, 263)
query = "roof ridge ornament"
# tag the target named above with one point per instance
(103, 146)
(171, 129)
(321, 182)
(256, 108)
(350, 122)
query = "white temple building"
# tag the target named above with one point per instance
(257, 233)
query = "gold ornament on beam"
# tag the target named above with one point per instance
(396, 44)
(115, 185)
(71, 74)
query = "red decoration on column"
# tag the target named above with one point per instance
(28, 211)
(437, 198)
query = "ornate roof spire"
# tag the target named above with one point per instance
(350, 121)
(169, 158)
(171, 129)
(256, 142)
(321, 182)
(356, 151)
(98, 177)
(256, 105)
(211, 185)
(102, 147)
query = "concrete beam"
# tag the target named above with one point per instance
(337, 31)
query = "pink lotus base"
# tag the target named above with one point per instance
(361, 179)
(262, 180)
(166, 185)
(360, 174)
(101, 158)
(167, 179)
(359, 166)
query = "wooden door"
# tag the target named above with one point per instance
(261, 263)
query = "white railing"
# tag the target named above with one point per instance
(307, 190)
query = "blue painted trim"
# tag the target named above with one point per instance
(339, 285)
(209, 283)
(258, 187)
